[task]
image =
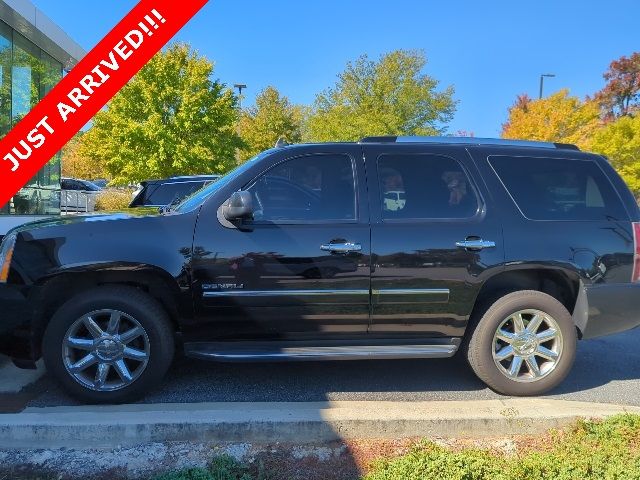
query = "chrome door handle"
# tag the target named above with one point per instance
(476, 244)
(341, 247)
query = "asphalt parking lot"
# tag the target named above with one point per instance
(607, 370)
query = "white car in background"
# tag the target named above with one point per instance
(78, 196)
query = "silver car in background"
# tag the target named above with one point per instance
(78, 196)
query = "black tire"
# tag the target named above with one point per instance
(480, 343)
(132, 302)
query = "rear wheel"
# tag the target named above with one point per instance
(524, 343)
(109, 345)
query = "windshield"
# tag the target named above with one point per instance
(92, 187)
(201, 195)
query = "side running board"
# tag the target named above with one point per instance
(230, 352)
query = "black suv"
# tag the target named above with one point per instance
(506, 251)
(160, 193)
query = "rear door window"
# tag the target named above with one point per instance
(559, 189)
(425, 187)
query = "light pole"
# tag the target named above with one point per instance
(240, 87)
(550, 75)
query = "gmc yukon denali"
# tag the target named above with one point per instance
(504, 252)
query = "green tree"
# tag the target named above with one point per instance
(170, 119)
(557, 118)
(391, 96)
(272, 117)
(620, 142)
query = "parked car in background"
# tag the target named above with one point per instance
(78, 195)
(160, 193)
(506, 251)
(101, 182)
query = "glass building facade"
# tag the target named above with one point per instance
(27, 74)
(34, 54)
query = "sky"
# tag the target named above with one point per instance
(489, 51)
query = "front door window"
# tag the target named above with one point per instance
(315, 188)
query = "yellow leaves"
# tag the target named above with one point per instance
(77, 164)
(620, 142)
(558, 118)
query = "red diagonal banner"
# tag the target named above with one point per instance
(88, 87)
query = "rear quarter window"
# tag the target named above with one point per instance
(559, 189)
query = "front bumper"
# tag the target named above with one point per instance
(607, 309)
(16, 314)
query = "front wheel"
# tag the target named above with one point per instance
(109, 345)
(523, 344)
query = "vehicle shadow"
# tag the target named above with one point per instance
(601, 361)
(598, 363)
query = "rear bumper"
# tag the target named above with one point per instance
(16, 314)
(607, 309)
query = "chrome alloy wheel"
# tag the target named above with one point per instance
(527, 345)
(106, 350)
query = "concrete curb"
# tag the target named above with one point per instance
(308, 422)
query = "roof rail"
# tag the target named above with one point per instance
(469, 141)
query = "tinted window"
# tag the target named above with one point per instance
(168, 193)
(425, 186)
(90, 187)
(558, 189)
(69, 184)
(316, 187)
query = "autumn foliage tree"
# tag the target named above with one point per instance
(75, 164)
(273, 117)
(557, 118)
(390, 96)
(608, 123)
(621, 94)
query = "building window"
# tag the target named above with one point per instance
(27, 75)
(5, 79)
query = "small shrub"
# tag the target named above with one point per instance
(590, 451)
(111, 200)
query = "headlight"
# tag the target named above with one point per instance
(6, 253)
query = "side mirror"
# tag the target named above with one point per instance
(238, 207)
